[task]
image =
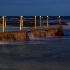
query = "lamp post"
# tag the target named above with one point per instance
(47, 21)
(20, 22)
(40, 21)
(59, 20)
(5, 21)
(35, 22)
(2, 23)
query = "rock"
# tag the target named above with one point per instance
(39, 33)
(14, 36)
(59, 31)
(52, 32)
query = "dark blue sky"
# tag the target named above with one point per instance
(35, 7)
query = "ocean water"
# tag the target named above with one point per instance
(52, 53)
(46, 54)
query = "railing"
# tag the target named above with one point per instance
(21, 21)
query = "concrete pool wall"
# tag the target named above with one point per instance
(22, 35)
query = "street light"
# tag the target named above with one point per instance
(59, 19)
(20, 22)
(3, 23)
(40, 21)
(35, 22)
(47, 21)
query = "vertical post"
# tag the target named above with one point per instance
(40, 21)
(47, 22)
(5, 21)
(2, 23)
(35, 22)
(20, 22)
(59, 20)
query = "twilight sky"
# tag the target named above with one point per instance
(35, 7)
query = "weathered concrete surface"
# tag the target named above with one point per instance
(59, 31)
(23, 35)
(44, 33)
(14, 36)
(39, 33)
(51, 32)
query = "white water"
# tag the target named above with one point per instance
(30, 36)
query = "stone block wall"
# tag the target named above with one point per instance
(44, 34)
(14, 36)
(39, 33)
(52, 32)
(23, 35)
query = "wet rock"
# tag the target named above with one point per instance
(52, 32)
(14, 36)
(59, 31)
(39, 33)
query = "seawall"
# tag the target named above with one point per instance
(23, 35)
(44, 33)
(13, 36)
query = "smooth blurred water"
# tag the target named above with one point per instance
(44, 54)
(52, 53)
